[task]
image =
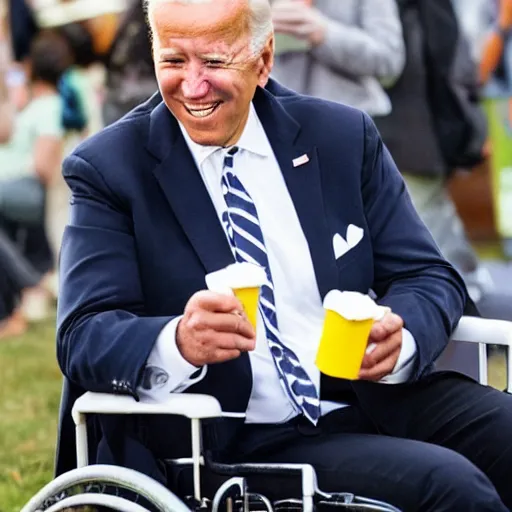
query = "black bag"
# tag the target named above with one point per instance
(452, 84)
(73, 113)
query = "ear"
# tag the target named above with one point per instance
(266, 62)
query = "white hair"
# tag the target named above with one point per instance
(260, 19)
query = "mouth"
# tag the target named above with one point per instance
(202, 111)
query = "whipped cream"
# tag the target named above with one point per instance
(354, 305)
(237, 275)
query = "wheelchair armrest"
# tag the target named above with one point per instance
(193, 406)
(485, 331)
(190, 405)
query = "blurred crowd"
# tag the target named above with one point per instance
(419, 67)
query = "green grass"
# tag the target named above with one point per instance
(30, 384)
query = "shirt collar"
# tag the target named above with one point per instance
(253, 139)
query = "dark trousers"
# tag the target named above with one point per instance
(8, 294)
(441, 444)
(22, 212)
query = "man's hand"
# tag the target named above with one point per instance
(297, 18)
(214, 329)
(386, 334)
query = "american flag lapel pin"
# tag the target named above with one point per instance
(301, 160)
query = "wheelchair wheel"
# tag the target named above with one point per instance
(105, 489)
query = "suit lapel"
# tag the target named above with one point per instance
(304, 185)
(185, 191)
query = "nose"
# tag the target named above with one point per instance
(194, 85)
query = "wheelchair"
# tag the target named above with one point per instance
(219, 487)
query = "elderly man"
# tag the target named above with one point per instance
(226, 165)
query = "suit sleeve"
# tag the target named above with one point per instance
(410, 274)
(104, 335)
(374, 48)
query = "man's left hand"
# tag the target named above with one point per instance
(299, 19)
(386, 334)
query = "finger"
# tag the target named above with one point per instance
(225, 341)
(221, 356)
(215, 302)
(221, 322)
(292, 15)
(389, 324)
(377, 333)
(287, 25)
(382, 350)
(283, 4)
(287, 6)
(288, 18)
(238, 324)
(380, 370)
(392, 322)
(298, 29)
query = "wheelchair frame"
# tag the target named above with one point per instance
(234, 490)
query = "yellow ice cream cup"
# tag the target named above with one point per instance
(244, 280)
(249, 297)
(349, 317)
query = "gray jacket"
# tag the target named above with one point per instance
(363, 47)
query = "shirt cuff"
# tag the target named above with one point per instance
(405, 363)
(166, 370)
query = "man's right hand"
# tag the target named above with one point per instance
(214, 329)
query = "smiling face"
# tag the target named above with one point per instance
(205, 66)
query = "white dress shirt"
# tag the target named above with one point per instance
(300, 313)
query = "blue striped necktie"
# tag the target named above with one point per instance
(244, 233)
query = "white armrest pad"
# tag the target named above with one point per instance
(483, 330)
(184, 404)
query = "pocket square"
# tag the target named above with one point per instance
(341, 245)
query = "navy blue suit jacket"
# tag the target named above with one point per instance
(143, 233)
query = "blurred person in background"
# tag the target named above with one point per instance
(23, 28)
(19, 282)
(339, 51)
(436, 127)
(496, 79)
(32, 155)
(6, 106)
(488, 26)
(81, 118)
(29, 161)
(73, 85)
(11, 322)
(130, 74)
(496, 49)
(476, 19)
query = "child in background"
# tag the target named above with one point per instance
(33, 153)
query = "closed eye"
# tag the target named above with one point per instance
(172, 61)
(214, 63)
